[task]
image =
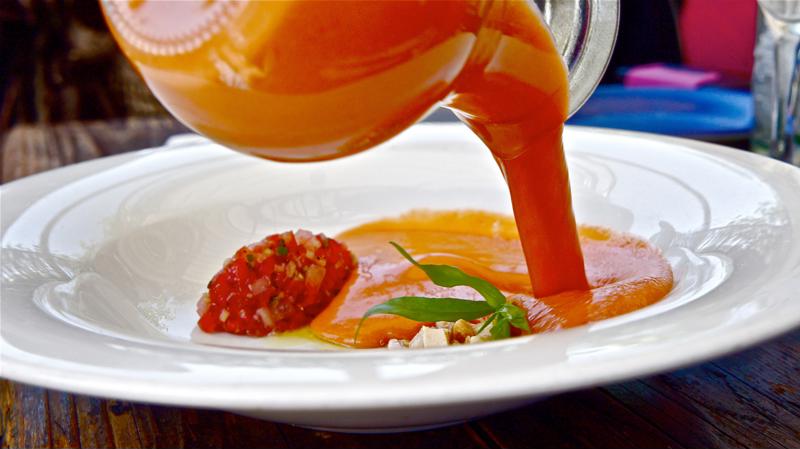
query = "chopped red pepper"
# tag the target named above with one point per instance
(280, 283)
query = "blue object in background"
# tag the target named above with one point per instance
(709, 113)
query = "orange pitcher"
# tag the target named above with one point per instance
(318, 79)
(310, 80)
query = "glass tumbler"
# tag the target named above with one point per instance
(782, 23)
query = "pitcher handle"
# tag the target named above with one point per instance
(585, 32)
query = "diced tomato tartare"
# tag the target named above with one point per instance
(278, 284)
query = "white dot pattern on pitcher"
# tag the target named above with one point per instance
(162, 35)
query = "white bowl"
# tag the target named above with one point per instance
(102, 263)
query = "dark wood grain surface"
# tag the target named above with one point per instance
(750, 399)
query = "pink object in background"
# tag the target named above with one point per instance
(661, 75)
(719, 35)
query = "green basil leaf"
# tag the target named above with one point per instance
(500, 328)
(449, 276)
(423, 309)
(515, 315)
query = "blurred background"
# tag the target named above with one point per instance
(680, 67)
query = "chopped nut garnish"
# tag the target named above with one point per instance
(430, 337)
(476, 339)
(444, 325)
(416, 342)
(445, 333)
(397, 344)
(462, 330)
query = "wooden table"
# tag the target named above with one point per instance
(751, 399)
